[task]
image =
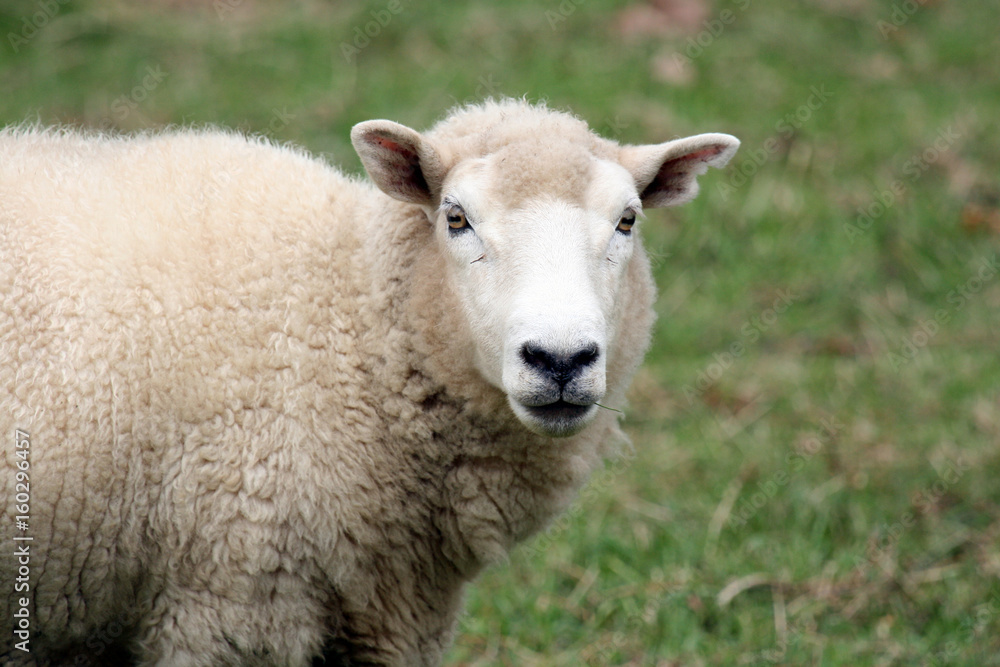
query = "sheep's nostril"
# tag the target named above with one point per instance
(560, 367)
(586, 356)
(537, 357)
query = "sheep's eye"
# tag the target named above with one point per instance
(626, 222)
(456, 219)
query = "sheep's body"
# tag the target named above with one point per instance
(257, 434)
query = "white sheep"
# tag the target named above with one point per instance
(270, 413)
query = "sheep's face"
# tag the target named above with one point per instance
(540, 278)
(538, 236)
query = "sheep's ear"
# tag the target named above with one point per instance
(666, 174)
(399, 161)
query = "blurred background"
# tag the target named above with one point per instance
(817, 427)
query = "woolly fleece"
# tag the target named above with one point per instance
(257, 436)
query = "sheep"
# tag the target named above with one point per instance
(270, 413)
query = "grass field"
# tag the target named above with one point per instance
(817, 427)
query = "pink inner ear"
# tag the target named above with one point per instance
(396, 148)
(704, 153)
(387, 143)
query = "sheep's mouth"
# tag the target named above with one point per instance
(559, 411)
(558, 419)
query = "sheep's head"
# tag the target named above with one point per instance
(539, 220)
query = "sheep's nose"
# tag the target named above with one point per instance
(561, 367)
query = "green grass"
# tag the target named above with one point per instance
(818, 498)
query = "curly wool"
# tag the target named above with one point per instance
(257, 434)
